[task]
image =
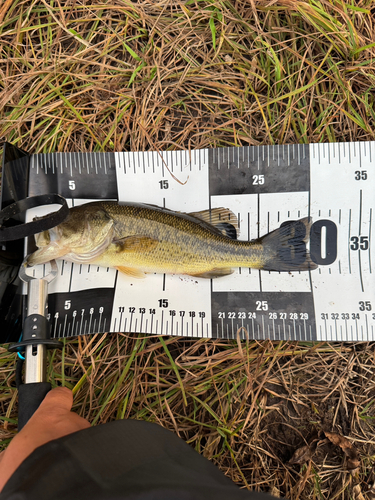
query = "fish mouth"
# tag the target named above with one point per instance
(46, 254)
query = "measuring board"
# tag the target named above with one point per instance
(334, 184)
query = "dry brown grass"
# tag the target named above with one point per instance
(85, 76)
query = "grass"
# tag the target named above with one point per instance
(96, 76)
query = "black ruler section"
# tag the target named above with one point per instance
(80, 313)
(74, 175)
(261, 169)
(264, 315)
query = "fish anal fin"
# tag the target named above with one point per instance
(136, 243)
(214, 273)
(129, 271)
(222, 219)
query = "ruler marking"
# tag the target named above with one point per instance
(80, 328)
(90, 322)
(359, 250)
(360, 211)
(369, 242)
(263, 332)
(356, 329)
(64, 324)
(360, 270)
(350, 218)
(93, 156)
(59, 160)
(346, 328)
(335, 329)
(105, 166)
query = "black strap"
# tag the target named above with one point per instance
(30, 228)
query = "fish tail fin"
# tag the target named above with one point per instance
(285, 247)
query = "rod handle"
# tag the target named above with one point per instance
(29, 398)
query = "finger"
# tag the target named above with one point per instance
(59, 399)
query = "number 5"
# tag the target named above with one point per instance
(72, 185)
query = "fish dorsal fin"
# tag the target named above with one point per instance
(222, 219)
(135, 243)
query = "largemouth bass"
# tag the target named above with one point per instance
(138, 239)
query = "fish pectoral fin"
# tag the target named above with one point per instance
(222, 219)
(129, 271)
(215, 273)
(136, 243)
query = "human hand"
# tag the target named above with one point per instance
(52, 420)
